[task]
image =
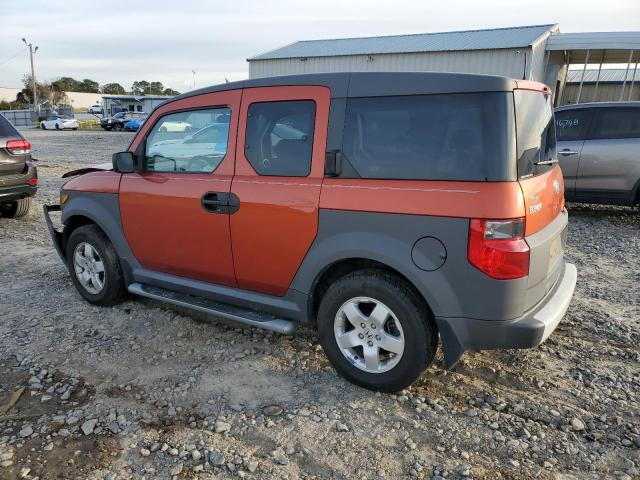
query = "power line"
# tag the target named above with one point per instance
(11, 58)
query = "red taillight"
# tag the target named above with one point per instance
(498, 248)
(19, 147)
(33, 182)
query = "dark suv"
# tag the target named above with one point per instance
(390, 210)
(119, 119)
(18, 175)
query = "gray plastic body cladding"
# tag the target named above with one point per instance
(104, 210)
(292, 306)
(527, 331)
(456, 289)
(544, 269)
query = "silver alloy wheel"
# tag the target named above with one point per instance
(369, 334)
(89, 268)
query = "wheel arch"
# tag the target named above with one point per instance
(344, 266)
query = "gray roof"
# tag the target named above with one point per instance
(138, 98)
(607, 75)
(594, 41)
(497, 38)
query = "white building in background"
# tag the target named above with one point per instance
(113, 104)
(536, 52)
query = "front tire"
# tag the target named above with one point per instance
(376, 331)
(94, 266)
(16, 209)
(42, 126)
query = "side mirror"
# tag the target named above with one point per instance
(333, 163)
(123, 162)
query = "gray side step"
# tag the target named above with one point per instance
(249, 317)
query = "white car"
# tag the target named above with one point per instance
(201, 151)
(175, 127)
(94, 109)
(59, 122)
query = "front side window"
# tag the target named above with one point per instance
(188, 142)
(428, 137)
(535, 132)
(279, 138)
(613, 123)
(572, 125)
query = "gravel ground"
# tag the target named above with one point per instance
(143, 390)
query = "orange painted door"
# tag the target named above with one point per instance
(282, 138)
(173, 211)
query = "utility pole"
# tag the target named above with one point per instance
(32, 52)
(194, 79)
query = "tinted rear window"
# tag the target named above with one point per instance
(536, 133)
(6, 128)
(572, 124)
(616, 123)
(429, 137)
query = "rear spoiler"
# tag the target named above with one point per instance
(103, 167)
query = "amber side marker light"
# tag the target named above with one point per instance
(63, 198)
(498, 248)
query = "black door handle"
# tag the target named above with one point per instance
(220, 202)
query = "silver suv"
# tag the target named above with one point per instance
(598, 146)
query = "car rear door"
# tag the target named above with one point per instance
(571, 130)
(610, 160)
(282, 139)
(175, 210)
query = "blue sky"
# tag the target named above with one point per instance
(166, 39)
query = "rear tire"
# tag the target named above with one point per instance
(404, 324)
(16, 209)
(57, 126)
(117, 127)
(94, 266)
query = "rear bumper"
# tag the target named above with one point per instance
(527, 331)
(16, 192)
(56, 236)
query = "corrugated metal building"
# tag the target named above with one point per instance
(537, 52)
(604, 87)
(517, 52)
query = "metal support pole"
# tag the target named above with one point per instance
(564, 80)
(633, 80)
(595, 90)
(584, 69)
(626, 73)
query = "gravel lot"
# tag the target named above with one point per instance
(143, 390)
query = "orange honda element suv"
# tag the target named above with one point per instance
(393, 211)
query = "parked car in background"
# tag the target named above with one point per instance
(390, 210)
(18, 174)
(599, 152)
(94, 109)
(119, 119)
(177, 126)
(59, 122)
(134, 124)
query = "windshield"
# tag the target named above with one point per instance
(119, 115)
(536, 133)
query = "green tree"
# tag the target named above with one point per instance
(46, 93)
(89, 86)
(143, 87)
(113, 89)
(170, 91)
(66, 84)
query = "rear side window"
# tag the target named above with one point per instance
(536, 133)
(572, 124)
(279, 138)
(6, 128)
(188, 142)
(615, 123)
(428, 137)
